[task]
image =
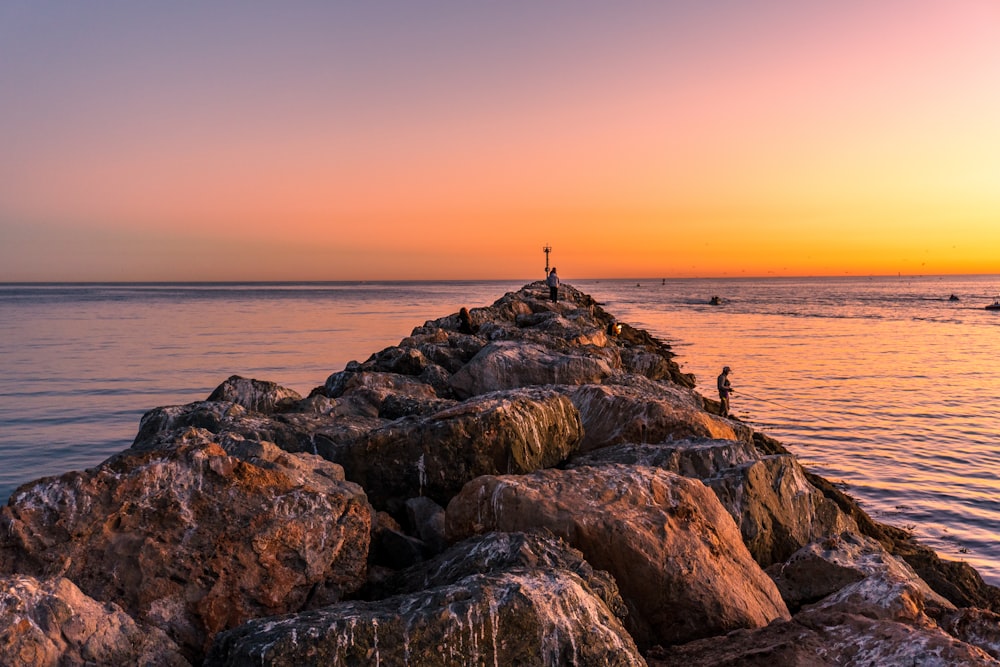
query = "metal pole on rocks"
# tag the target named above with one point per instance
(547, 249)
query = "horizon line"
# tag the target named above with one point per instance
(348, 281)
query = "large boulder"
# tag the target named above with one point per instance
(777, 509)
(505, 432)
(512, 617)
(373, 393)
(256, 395)
(195, 537)
(868, 607)
(700, 458)
(978, 627)
(854, 574)
(846, 640)
(511, 364)
(52, 622)
(618, 413)
(497, 552)
(675, 552)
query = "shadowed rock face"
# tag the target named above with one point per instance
(256, 395)
(614, 414)
(496, 552)
(868, 608)
(197, 536)
(836, 641)
(517, 431)
(701, 458)
(514, 617)
(676, 554)
(776, 508)
(52, 622)
(510, 364)
(854, 574)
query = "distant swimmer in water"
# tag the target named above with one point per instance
(725, 389)
(715, 301)
(952, 298)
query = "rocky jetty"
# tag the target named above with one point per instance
(536, 487)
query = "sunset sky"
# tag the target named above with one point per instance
(398, 139)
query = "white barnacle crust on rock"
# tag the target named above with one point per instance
(525, 490)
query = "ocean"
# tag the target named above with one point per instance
(884, 385)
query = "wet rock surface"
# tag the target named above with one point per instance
(52, 622)
(196, 536)
(527, 486)
(514, 617)
(676, 554)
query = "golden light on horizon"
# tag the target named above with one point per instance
(654, 141)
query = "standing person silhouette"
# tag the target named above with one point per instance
(553, 283)
(725, 389)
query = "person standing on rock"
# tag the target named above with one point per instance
(465, 324)
(725, 389)
(553, 283)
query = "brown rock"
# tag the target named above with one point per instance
(840, 640)
(777, 509)
(614, 414)
(511, 364)
(676, 554)
(52, 622)
(514, 617)
(197, 537)
(887, 588)
(978, 627)
(701, 458)
(256, 395)
(366, 392)
(516, 431)
(497, 552)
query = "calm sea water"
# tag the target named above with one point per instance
(882, 384)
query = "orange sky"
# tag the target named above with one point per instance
(341, 141)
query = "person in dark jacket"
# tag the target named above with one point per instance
(553, 283)
(725, 389)
(465, 324)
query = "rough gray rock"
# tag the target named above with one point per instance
(513, 617)
(256, 395)
(510, 364)
(516, 431)
(839, 640)
(497, 552)
(618, 413)
(675, 552)
(366, 393)
(51, 622)
(197, 537)
(978, 627)
(777, 509)
(888, 588)
(700, 458)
